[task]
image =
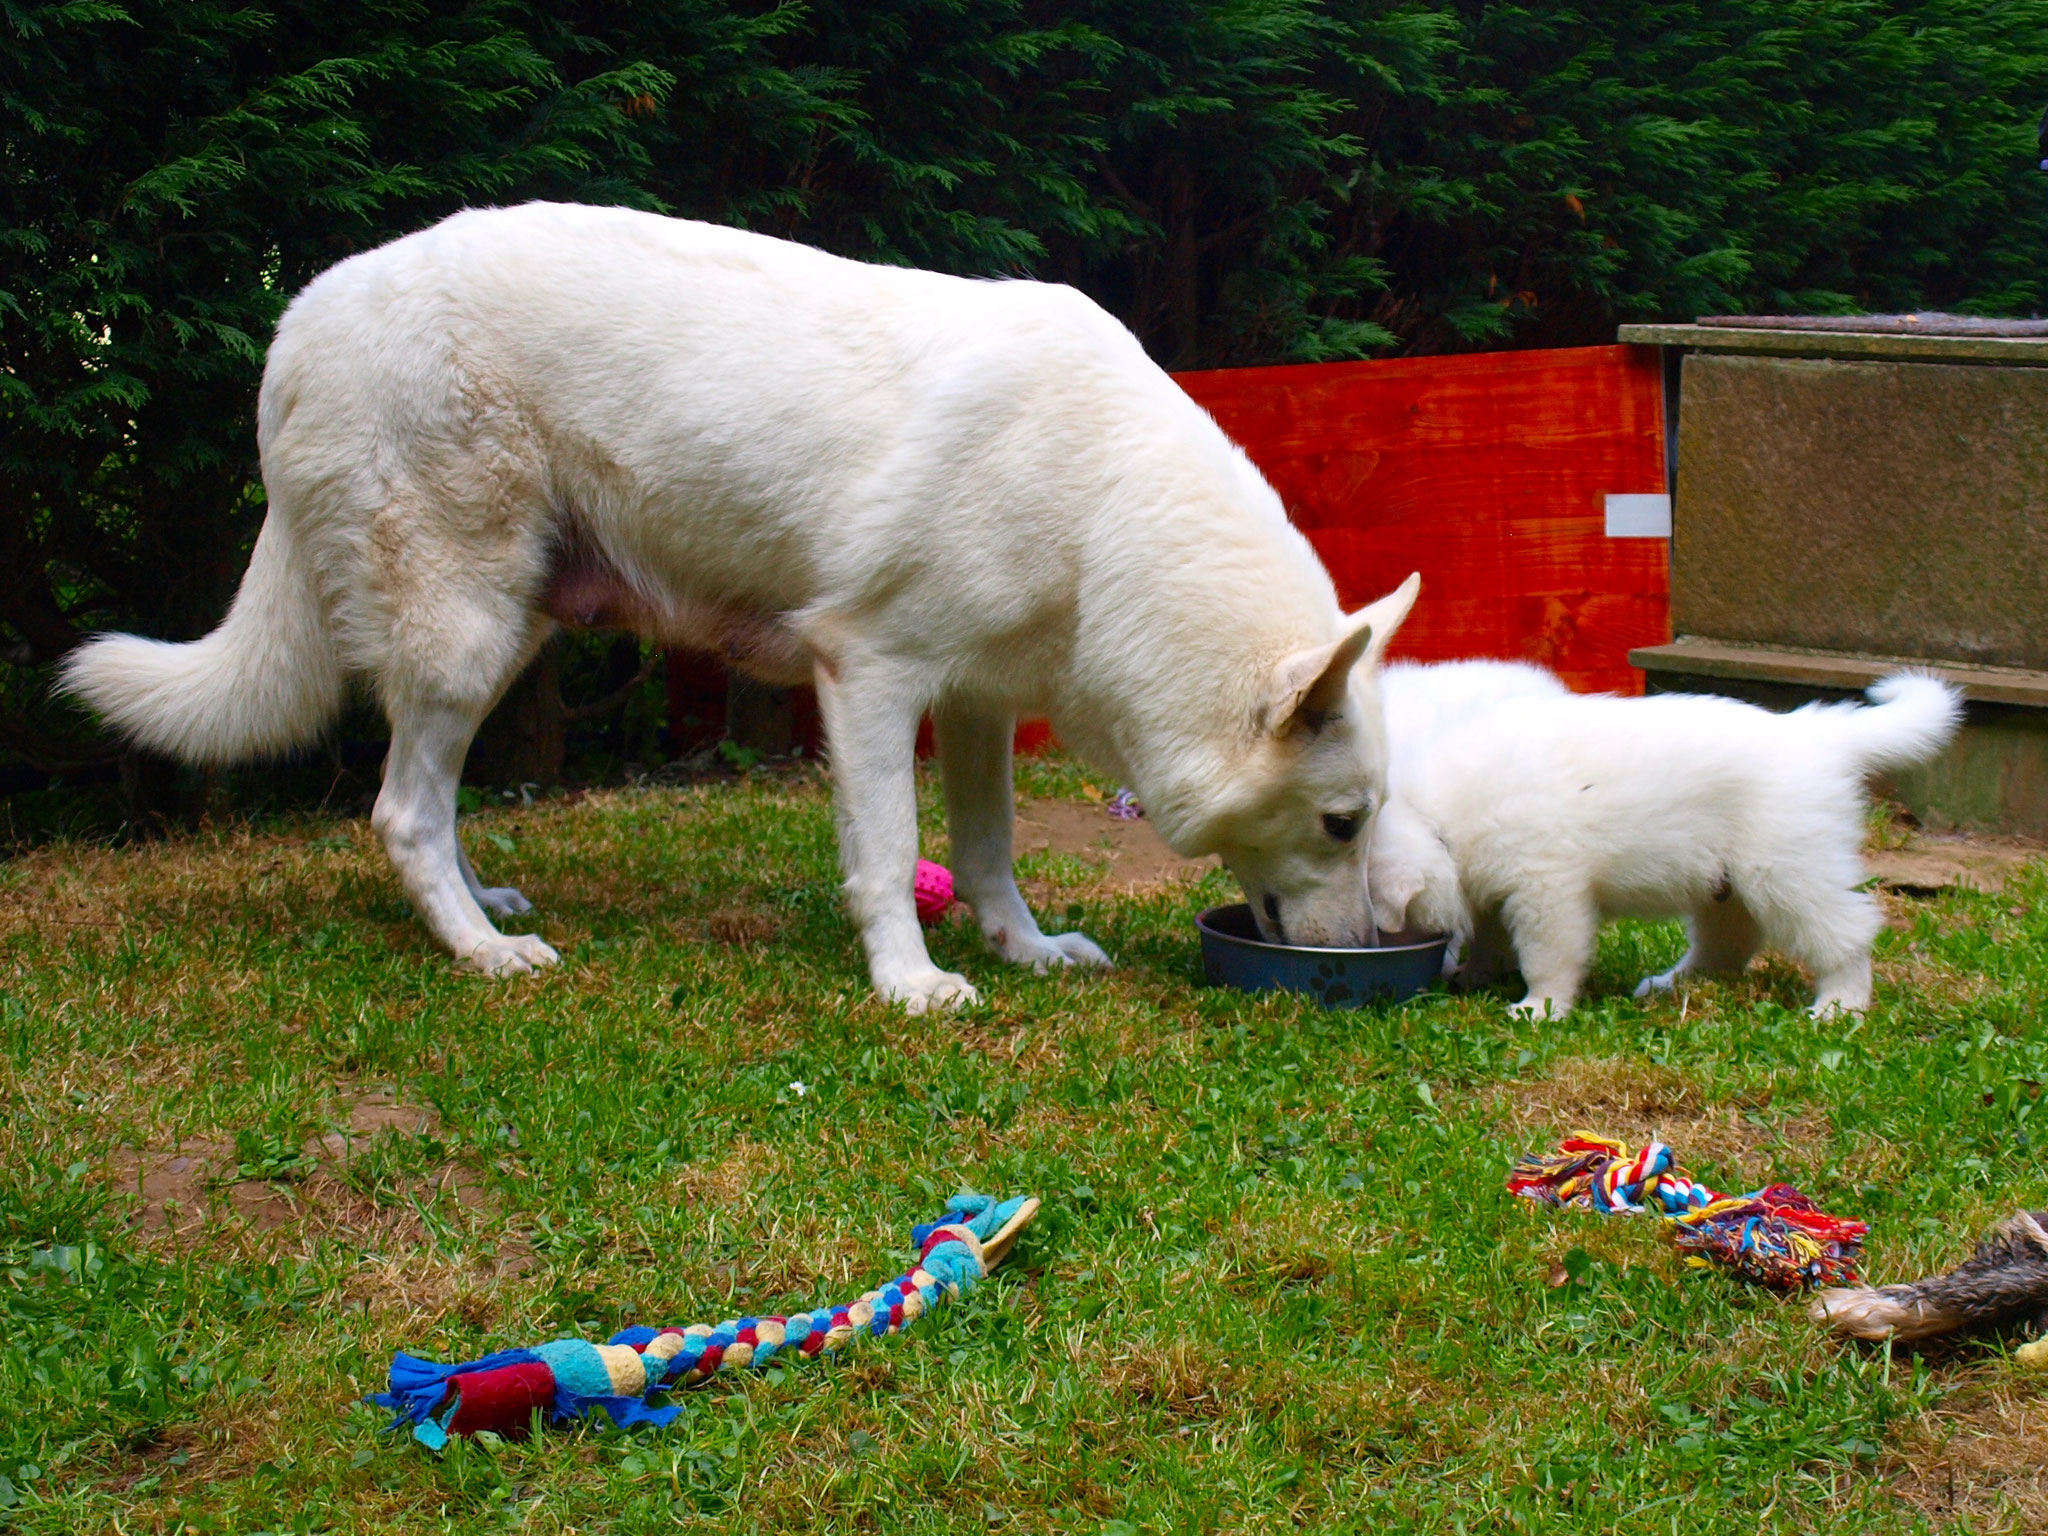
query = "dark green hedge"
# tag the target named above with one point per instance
(1242, 180)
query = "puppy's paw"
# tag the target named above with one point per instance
(931, 990)
(503, 901)
(1650, 986)
(1837, 1007)
(1534, 1007)
(511, 954)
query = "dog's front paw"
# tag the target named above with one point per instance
(1650, 986)
(930, 991)
(1534, 1007)
(503, 901)
(511, 954)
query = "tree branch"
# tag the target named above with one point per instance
(49, 754)
(618, 696)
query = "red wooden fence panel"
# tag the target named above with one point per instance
(1487, 472)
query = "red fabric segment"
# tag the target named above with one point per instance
(503, 1400)
(708, 1361)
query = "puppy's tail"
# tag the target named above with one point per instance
(2004, 1282)
(1911, 718)
(266, 680)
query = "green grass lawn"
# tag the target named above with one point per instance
(1276, 1281)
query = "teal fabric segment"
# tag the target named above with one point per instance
(578, 1367)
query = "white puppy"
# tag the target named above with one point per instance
(1526, 823)
(919, 492)
(1424, 701)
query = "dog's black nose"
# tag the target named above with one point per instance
(1272, 905)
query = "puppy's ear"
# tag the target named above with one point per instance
(1309, 684)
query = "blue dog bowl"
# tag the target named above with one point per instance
(1233, 955)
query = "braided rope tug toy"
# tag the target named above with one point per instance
(1773, 1236)
(571, 1379)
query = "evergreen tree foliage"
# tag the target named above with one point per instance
(1243, 181)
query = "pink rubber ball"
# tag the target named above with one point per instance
(933, 887)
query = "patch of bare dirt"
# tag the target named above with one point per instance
(1982, 1465)
(1186, 1380)
(1930, 862)
(1127, 855)
(1927, 981)
(1636, 1102)
(186, 1187)
(174, 1451)
(743, 927)
(728, 1183)
(1267, 1257)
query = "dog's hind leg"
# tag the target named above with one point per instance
(499, 900)
(1553, 932)
(415, 816)
(974, 758)
(871, 709)
(1724, 938)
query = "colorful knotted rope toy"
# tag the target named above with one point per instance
(572, 1378)
(1773, 1235)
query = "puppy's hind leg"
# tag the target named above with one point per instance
(1832, 935)
(1553, 931)
(974, 757)
(871, 709)
(1724, 938)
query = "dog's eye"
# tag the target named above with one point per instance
(1343, 826)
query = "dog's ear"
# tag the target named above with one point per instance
(1309, 684)
(1388, 614)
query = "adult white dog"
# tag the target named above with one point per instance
(919, 492)
(1527, 821)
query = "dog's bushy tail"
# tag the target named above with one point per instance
(268, 679)
(2004, 1282)
(1911, 717)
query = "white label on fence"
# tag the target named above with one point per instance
(1638, 515)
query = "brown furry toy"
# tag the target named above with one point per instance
(2003, 1284)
